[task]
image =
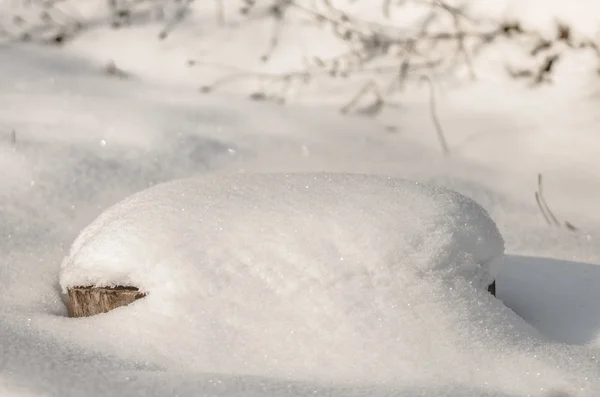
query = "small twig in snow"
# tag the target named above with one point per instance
(541, 207)
(551, 220)
(570, 226)
(179, 16)
(368, 87)
(274, 41)
(542, 202)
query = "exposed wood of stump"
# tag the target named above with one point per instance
(89, 301)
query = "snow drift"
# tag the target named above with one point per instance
(310, 276)
(285, 232)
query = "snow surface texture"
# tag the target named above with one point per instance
(283, 229)
(85, 140)
(287, 273)
(310, 276)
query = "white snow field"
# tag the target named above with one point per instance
(359, 318)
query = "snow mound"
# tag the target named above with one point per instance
(286, 273)
(284, 232)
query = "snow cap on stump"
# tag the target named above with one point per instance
(281, 230)
(353, 276)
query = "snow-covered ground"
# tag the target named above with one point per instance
(287, 274)
(74, 141)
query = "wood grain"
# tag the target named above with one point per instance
(89, 301)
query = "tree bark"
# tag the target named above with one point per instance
(89, 301)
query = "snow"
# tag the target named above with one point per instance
(571, 320)
(289, 273)
(85, 140)
(278, 224)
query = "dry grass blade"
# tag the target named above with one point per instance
(542, 202)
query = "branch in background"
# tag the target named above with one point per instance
(406, 53)
(281, 82)
(370, 43)
(549, 51)
(284, 81)
(457, 15)
(436, 122)
(539, 76)
(119, 12)
(41, 22)
(371, 110)
(277, 29)
(180, 14)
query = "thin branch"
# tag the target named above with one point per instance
(570, 226)
(541, 207)
(239, 73)
(551, 220)
(368, 87)
(543, 201)
(433, 110)
(179, 16)
(274, 41)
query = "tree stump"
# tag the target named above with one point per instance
(89, 301)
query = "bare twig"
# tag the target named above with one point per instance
(551, 220)
(274, 41)
(542, 209)
(179, 16)
(405, 51)
(570, 226)
(301, 75)
(226, 80)
(374, 108)
(457, 14)
(433, 110)
(542, 201)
